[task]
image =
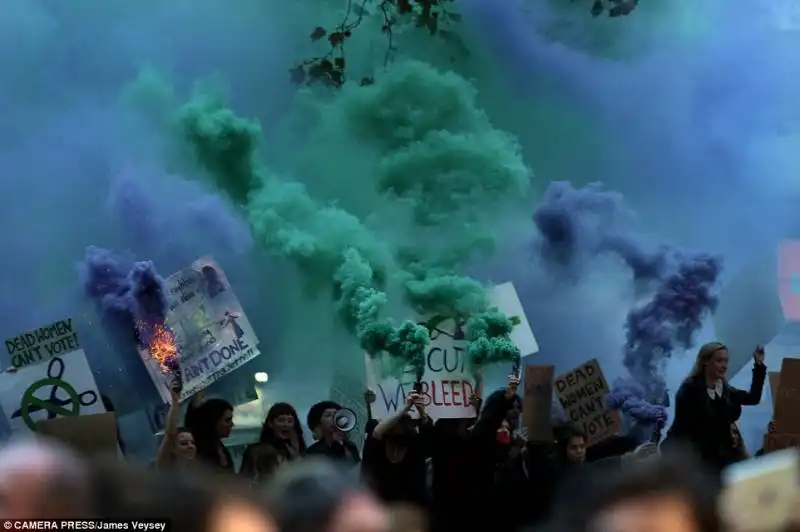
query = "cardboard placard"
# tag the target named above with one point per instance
(537, 401)
(774, 385)
(582, 393)
(92, 435)
(776, 441)
(787, 404)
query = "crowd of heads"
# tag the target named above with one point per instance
(412, 473)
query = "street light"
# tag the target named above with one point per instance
(261, 377)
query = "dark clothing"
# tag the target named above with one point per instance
(464, 468)
(345, 452)
(549, 482)
(705, 423)
(210, 449)
(404, 481)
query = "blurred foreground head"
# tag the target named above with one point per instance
(42, 480)
(314, 495)
(663, 494)
(193, 501)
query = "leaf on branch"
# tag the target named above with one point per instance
(321, 71)
(597, 8)
(336, 38)
(404, 7)
(297, 75)
(318, 33)
(365, 82)
(455, 17)
(429, 22)
(359, 10)
(338, 63)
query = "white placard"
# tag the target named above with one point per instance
(64, 386)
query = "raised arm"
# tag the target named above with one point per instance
(495, 409)
(382, 428)
(164, 455)
(753, 395)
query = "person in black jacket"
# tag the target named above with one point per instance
(706, 406)
(331, 442)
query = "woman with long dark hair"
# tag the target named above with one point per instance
(281, 441)
(706, 406)
(210, 422)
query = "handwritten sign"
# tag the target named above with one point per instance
(213, 334)
(787, 404)
(38, 345)
(64, 387)
(582, 393)
(537, 401)
(448, 382)
(446, 385)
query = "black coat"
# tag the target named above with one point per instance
(704, 424)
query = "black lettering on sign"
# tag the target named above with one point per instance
(58, 338)
(448, 359)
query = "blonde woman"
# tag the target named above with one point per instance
(706, 405)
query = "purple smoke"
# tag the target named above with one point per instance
(579, 225)
(169, 220)
(131, 301)
(629, 397)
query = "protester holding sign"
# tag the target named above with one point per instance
(706, 405)
(177, 449)
(395, 453)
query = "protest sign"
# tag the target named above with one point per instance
(787, 405)
(446, 385)
(749, 312)
(448, 381)
(63, 387)
(582, 393)
(348, 392)
(775, 441)
(38, 345)
(92, 435)
(774, 384)
(537, 401)
(760, 494)
(211, 332)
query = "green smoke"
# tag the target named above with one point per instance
(439, 153)
(436, 153)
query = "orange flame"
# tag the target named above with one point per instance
(163, 348)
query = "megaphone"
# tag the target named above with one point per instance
(345, 419)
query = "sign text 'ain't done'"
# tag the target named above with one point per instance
(200, 366)
(43, 343)
(582, 394)
(438, 388)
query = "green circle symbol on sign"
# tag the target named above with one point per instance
(29, 400)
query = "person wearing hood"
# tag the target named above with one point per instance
(331, 441)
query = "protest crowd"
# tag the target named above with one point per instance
(501, 469)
